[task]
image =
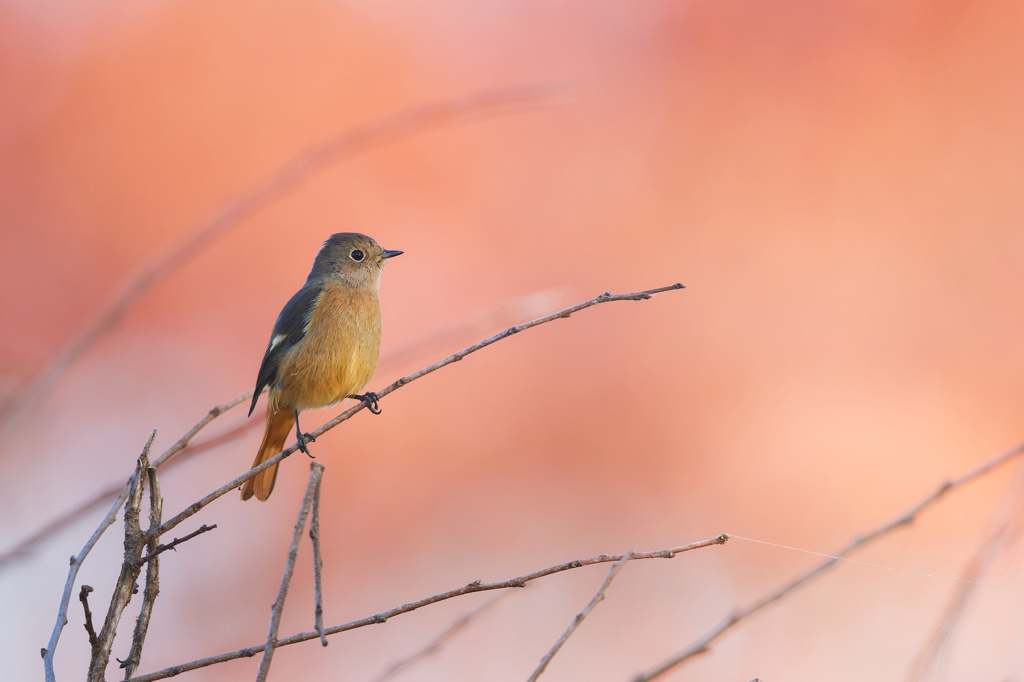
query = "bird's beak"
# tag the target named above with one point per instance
(392, 254)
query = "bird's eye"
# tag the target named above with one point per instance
(356, 255)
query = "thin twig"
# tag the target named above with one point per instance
(134, 543)
(160, 549)
(156, 505)
(471, 588)
(1003, 530)
(606, 297)
(316, 472)
(76, 563)
(598, 598)
(278, 184)
(83, 597)
(434, 645)
(704, 643)
(318, 562)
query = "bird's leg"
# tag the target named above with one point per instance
(371, 399)
(303, 438)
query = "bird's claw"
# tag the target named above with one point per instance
(303, 439)
(372, 401)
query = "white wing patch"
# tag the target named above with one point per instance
(276, 340)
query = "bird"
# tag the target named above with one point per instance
(323, 348)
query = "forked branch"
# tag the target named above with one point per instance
(598, 598)
(156, 506)
(134, 543)
(315, 475)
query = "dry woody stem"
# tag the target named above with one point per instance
(598, 598)
(152, 561)
(134, 543)
(704, 643)
(156, 551)
(83, 596)
(318, 563)
(471, 588)
(315, 475)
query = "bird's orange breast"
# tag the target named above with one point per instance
(338, 354)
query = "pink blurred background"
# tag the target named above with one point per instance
(838, 184)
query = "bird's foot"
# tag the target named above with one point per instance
(371, 399)
(303, 439)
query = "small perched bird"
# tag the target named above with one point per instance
(324, 345)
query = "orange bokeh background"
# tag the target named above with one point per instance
(838, 184)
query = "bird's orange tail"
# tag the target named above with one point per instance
(279, 425)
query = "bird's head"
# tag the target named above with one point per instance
(350, 258)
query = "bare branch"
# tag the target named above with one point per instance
(164, 262)
(160, 549)
(134, 542)
(434, 645)
(471, 588)
(83, 597)
(606, 297)
(598, 598)
(316, 472)
(318, 562)
(704, 643)
(156, 505)
(76, 563)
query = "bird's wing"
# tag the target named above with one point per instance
(288, 331)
